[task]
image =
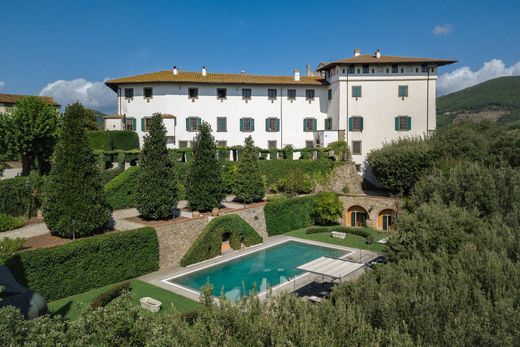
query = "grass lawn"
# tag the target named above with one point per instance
(72, 306)
(353, 241)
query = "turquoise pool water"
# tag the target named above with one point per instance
(261, 269)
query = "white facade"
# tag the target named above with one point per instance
(390, 87)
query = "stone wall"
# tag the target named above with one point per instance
(176, 239)
(343, 179)
(372, 204)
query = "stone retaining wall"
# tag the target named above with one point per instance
(372, 204)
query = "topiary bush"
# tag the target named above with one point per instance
(85, 264)
(8, 222)
(100, 140)
(248, 183)
(289, 214)
(120, 191)
(208, 244)
(327, 209)
(113, 140)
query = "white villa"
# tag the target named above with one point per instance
(366, 100)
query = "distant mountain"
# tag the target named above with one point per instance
(497, 99)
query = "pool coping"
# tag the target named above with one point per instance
(221, 259)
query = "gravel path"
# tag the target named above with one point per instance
(27, 231)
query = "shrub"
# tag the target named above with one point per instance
(322, 229)
(248, 182)
(208, 244)
(296, 182)
(79, 266)
(327, 209)
(9, 246)
(8, 222)
(120, 191)
(73, 199)
(113, 292)
(100, 140)
(340, 149)
(113, 140)
(274, 170)
(290, 214)
(16, 198)
(109, 175)
(156, 194)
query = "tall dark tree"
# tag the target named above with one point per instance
(248, 184)
(204, 186)
(73, 199)
(157, 183)
(30, 132)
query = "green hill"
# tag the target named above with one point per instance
(497, 99)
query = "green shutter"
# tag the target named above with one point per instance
(353, 219)
(314, 124)
(134, 124)
(305, 125)
(277, 124)
(350, 123)
(252, 124)
(361, 123)
(142, 124)
(267, 124)
(199, 122)
(187, 123)
(396, 123)
(241, 124)
(409, 123)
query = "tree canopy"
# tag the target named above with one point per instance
(248, 184)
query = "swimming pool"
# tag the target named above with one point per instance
(261, 269)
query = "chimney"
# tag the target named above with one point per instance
(308, 70)
(175, 71)
(357, 52)
(296, 75)
(377, 53)
(204, 71)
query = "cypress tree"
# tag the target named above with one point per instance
(156, 183)
(73, 199)
(204, 188)
(248, 184)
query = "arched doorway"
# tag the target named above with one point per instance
(356, 216)
(386, 219)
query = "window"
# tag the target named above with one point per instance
(272, 124)
(356, 147)
(343, 71)
(221, 93)
(373, 70)
(221, 124)
(192, 123)
(416, 69)
(183, 144)
(424, 68)
(387, 70)
(328, 124)
(365, 69)
(356, 91)
(148, 93)
(402, 70)
(271, 94)
(129, 93)
(246, 94)
(247, 124)
(395, 68)
(170, 140)
(355, 123)
(291, 94)
(351, 69)
(329, 94)
(403, 123)
(309, 124)
(403, 91)
(271, 144)
(130, 124)
(221, 143)
(309, 144)
(193, 93)
(144, 123)
(309, 94)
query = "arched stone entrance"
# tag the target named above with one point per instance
(356, 216)
(386, 219)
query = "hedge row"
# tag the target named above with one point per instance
(285, 215)
(16, 198)
(113, 292)
(113, 140)
(120, 191)
(274, 170)
(354, 231)
(8, 222)
(209, 242)
(82, 265)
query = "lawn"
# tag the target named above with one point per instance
(72, 306)
(353, 241)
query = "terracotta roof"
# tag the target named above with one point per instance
(385, 59)
(214, 78)
(13, 98)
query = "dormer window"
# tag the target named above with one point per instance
(351, 69)
(365, 69)
(395, 68)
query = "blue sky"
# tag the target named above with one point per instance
(67, 48)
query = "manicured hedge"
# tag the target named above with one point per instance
(113, 140)
(82, 265)
(209, 242)
(113, 292)
(354, 231)
(288, 214)
(274, 170)
(16, 198)
(120, 191)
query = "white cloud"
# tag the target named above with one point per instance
(463, 77)
(2, 85)
(442, 29)
(94, 95)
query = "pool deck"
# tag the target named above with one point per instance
(159, 278)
